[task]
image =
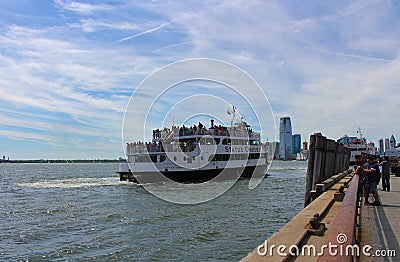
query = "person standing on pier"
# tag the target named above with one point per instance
(372, 175)
(385, 164)
(359, 170)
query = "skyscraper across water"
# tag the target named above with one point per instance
(392, 142)
(387, 144)
(381, 146)
(296, 147)
(285, 138)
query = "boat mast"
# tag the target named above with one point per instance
(233, 115)
(361, 135)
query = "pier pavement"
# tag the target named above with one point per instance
(380, 227)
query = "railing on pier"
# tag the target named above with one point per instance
(343, 231)
(326, 160)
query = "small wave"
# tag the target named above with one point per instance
(287, 168)
(73, 183)
(207, 237)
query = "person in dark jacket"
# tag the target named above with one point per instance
(373, 176)
(385, 164)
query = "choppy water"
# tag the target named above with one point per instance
(83, 212)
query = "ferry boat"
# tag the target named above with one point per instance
(358, 145)
(196, 154)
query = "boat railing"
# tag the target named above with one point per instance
(142, 148)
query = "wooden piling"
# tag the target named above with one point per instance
(310, 170)
(326, 158)
(319, 164)
(336, 169)
(330, 158)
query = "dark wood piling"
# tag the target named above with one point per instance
(327, 158)
(310, 170)
(330, 158)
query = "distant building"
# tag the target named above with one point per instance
(381, 149)
(392, 142)
(303, 155)
(387, 144)
(273, 149)
(285, 138)
(296, 146)
(305, 146)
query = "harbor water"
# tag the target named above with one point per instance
(73, 212)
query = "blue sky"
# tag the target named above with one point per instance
(68, 68)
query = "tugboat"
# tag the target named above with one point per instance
(196, 154)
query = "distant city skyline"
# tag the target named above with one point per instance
(69, 68)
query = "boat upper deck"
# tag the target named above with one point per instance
(187, 138)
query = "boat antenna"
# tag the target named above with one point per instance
(360, 133)
(233, 114)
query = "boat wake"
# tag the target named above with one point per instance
(286, 168)
(73, 183)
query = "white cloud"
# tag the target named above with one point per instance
(83, 8)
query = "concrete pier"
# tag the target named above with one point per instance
(295, 232)
(377, 226)
(380, 226)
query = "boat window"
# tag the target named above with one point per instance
(254, 156)
(226, 141)
(162, 158)
(241, 141)
(238, 156)
(187, 145)
(207, 141)
(254, 142)
(211, 158)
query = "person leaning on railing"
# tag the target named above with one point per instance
(364, 182)
(373, 176)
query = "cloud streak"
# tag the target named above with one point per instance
(143, 32)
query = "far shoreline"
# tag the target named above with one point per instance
(69, 161)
